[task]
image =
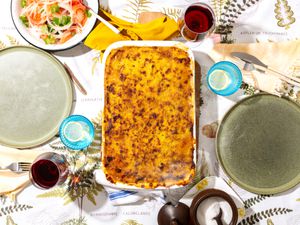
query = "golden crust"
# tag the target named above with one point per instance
(148, 117)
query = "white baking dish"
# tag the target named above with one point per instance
(101, 176)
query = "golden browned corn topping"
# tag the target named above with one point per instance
(148, 117)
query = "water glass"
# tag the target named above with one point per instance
(224, 78)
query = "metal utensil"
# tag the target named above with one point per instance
(252, 63)
(248, 58)
(106, 23)
(103, 18)
(75, 80)
(18, 166)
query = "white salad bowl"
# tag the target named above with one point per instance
(35, 40)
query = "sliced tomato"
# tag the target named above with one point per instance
(76, 2)
(43, 36)
(29, 2)
(79, 16)
(66, 36)
(36, 19)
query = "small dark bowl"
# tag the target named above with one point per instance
(208, 193)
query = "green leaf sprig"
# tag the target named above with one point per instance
(54, 8)
(61, 21)
(24, 20)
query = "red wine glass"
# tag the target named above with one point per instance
(197, 22)
(48, 170)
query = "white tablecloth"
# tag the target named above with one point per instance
(259, 21)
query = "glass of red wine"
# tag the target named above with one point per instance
(197, 22)
(48, 170)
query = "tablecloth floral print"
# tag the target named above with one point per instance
(81, 200)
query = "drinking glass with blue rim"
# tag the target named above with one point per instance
(224, 78)
(76, 132)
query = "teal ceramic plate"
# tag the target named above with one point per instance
(35, 96)
(258, 144)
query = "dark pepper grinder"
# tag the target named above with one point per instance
(170, 214)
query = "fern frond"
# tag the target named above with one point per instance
(55, 193)
(129, 18)
(269, 222)
(13, 41)
(230, 13)
(134, 3)
(130, 222)
(10, 221)
(248, 89)
(256, 217)
(14, 208)
(132, 13)
(2, 45)
(96, 60)
(257, 199)
(94, 150)
(68, 199)
(105, 8)
(97, 121)
(135, 7)
(79, 221)
(90, 196)
(172, 12)
(99, 187)
(204, 170)
(58, 146)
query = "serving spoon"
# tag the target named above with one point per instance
(106, 23)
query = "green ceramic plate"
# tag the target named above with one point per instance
(35, 96)
(258, 144)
